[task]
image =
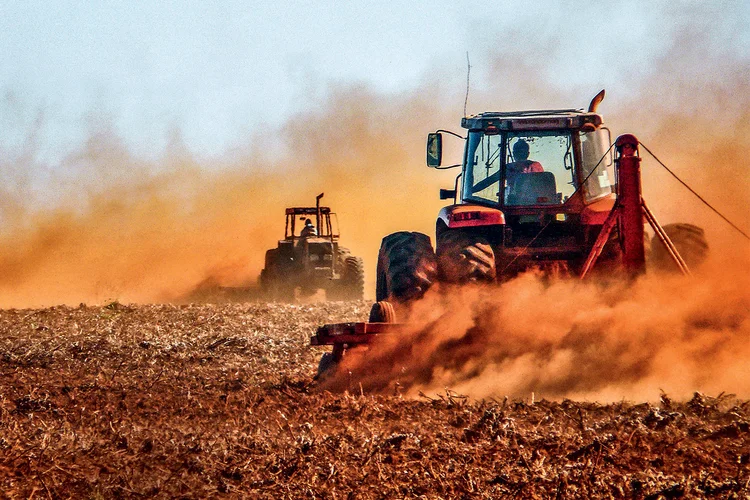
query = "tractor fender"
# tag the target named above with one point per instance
(458, 216)
(596, 213)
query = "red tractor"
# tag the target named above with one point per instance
(310, 258)
(544, 190)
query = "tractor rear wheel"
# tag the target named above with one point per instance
(273, 282)
(263, 280)
(406, 267)
(267, 273)
(354, 278)
(690, 242)
(463, 257)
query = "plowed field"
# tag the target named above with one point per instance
(200, 401)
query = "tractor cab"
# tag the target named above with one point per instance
(312, 237)
(540, 159)
(321, 220)
(537, 186)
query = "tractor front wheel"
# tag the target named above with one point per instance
(406, 267)
(463, 257)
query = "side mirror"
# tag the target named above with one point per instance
(434, 149)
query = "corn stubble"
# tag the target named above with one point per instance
(201, 401)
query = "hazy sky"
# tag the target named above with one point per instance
(140, 141)
(218, 71)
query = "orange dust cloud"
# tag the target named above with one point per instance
(129, 230)
(568, 339)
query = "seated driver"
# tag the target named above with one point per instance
(513, 170)
(521, 163)
(309, 230)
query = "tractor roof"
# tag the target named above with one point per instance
(307, 210)
(546, 119)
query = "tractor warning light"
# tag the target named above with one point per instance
(461, 216)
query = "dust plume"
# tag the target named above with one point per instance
(568, 339)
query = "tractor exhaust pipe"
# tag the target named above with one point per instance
(317, 212)
(596, 101)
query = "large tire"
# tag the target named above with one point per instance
(690, 242)
(267, 274)
(463, 257)
(382, 312)
(272, 281)
(343, 253)
(354, 278)
(406, 267)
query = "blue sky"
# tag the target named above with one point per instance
(219, 71)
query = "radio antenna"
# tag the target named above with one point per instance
(468, 73)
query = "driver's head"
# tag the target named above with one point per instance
(520, 150)
(308, 222)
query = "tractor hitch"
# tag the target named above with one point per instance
(350, 334)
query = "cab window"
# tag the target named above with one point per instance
(482, 172)
(539, 168)
(597, 171)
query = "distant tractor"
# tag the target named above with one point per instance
(309, 258)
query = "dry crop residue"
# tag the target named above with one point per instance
(199, 401)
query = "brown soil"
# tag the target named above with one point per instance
(202, 401)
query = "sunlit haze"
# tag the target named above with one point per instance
(148, 148)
